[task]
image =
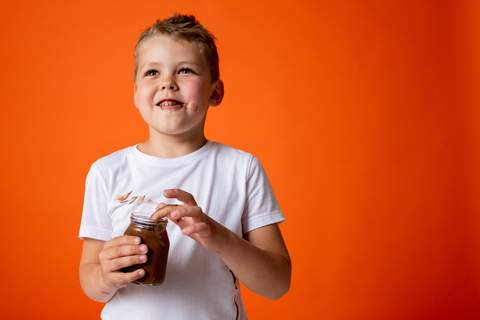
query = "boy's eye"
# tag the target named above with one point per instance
(151, 73)
(185, 70)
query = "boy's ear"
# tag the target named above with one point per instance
(217, 95)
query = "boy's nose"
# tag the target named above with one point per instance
(169, 85)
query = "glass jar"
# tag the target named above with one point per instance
(153, 233)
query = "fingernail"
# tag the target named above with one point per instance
(138, 240)
(141, 272)
(143, 248)
(143, 258)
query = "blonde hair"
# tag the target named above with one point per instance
(184, 27)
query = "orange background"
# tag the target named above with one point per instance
(365, 115)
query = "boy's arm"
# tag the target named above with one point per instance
(91, 279)
(100, 277)
(260, 261)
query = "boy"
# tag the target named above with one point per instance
(225, 227)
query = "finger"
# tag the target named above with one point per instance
(197, 228)
(160, 205)
(163, 211)
(121, 279)
(123, 251)
(186, 211)
(183, 222)
(123, 262)
(181, 195)
(122, 240)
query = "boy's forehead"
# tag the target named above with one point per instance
(163, 46)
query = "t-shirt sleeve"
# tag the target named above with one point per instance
(96, 222)
(261, 208)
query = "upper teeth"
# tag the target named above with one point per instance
(168, 103)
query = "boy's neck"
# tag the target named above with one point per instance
(171, 147)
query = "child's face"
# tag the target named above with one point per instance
(173, 87)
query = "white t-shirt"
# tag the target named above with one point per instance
(228, 184)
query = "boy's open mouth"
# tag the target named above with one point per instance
(169, 104)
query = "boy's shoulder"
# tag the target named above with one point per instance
(232, 151)
(235, 154)
(237, 158)
(112, 160)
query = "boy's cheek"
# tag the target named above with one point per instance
(142, 97)
(192, 106)
(137, 101)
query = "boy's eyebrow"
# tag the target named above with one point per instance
(148, 64)
(188, 62)
(158, 63)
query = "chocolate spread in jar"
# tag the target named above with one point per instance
(153, 233)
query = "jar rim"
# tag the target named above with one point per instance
(140, 217)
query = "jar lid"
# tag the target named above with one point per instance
(142, 217)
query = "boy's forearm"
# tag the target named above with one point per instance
(92, 283)
(264, 272)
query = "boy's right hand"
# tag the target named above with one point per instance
(118, 253)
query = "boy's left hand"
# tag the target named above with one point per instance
(191, 220)
(260, 260)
